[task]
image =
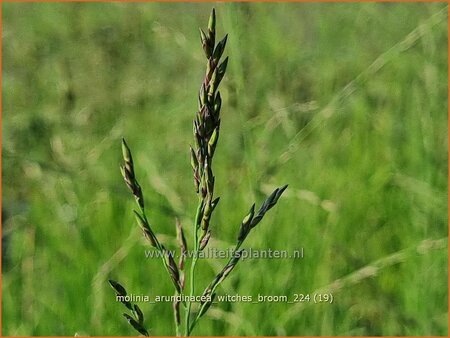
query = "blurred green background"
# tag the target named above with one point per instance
(345, 102)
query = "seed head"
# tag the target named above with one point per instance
(268, 204)
(181, 239)
(218, 51)
(213, 142)
(245, 225)
(148, 233)
(208, 304)
(127, 171)
(138, 313)
(212, 27)
(138, 327)
(120, 290)
(205, 239)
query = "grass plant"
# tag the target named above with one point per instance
(206, 128)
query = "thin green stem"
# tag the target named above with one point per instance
(192, 269)
(177, 327)
(194, 322)
(192, 290)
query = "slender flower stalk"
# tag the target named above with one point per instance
(248, 223)
(128, 173)
(206, 130)
(181, 239)
(206, 127)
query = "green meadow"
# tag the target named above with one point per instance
(345, 102)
